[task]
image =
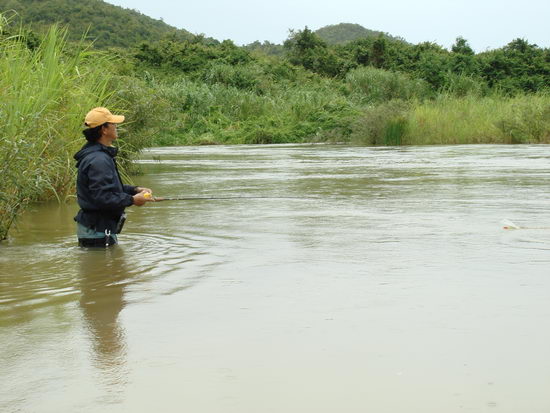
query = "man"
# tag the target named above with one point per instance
(100, 192)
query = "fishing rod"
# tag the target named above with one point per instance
(208, 198)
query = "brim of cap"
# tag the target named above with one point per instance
(116, 119)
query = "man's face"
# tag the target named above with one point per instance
(110, 131)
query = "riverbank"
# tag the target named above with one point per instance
(321, 110)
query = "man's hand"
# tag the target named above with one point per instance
(142, 189)
(142, 197)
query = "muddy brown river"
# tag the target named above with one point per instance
(329, 279)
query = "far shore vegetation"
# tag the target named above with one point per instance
(183, 89)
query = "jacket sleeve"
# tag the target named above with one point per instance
(130, 189)
(104, 186)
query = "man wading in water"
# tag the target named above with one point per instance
(101, 194)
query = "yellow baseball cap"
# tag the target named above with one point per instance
(99, 116)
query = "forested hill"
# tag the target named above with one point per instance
(108, 25)
(346, 32)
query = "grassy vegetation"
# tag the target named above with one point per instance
(449, 119)
(221, 113)
(42, 101)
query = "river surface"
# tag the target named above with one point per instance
(333, 279)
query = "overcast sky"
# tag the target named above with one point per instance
(486, 24)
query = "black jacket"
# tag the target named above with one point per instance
(100, 192)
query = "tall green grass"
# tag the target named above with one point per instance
(44, 94)
(474, 119)
(448, 119)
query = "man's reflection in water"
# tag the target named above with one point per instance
(103, 276)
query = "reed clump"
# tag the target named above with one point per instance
(44, 92)
(448, 119)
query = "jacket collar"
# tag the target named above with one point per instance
(95, 147)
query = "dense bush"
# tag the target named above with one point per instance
(372, 85)
(190, 55)
(384, 124)
(306, 49)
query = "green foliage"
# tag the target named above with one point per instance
(190, 55)
(461, 46)
(519, 66)
(516, 68)
(450, 120)
(330, 51)
(317, 92)
(240, 77)
(461, 85)
(431, 63)
(265, 48)
(218, 111)
(147, 114)
(371, 85)
(305, 48)
(385, 124)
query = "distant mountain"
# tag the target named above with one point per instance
(108, 25)
(347, 32)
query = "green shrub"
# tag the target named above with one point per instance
(385, 124)
(461, 85)
(241, 77)
(371, 85)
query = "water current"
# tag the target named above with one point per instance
(328, 279)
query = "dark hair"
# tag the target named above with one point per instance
(93, 134)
